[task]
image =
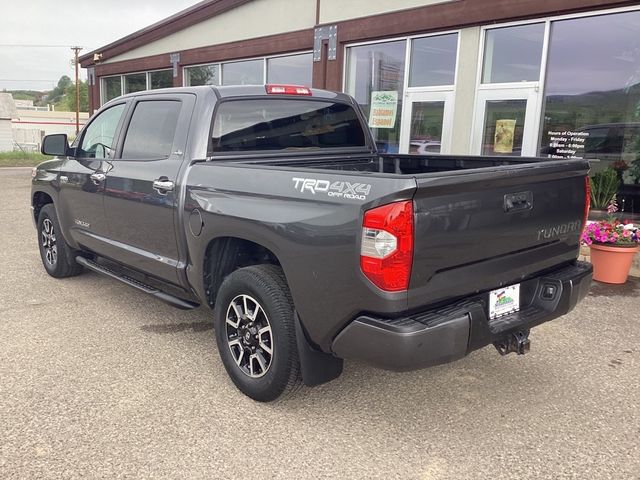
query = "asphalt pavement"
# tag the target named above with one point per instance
(98, 380)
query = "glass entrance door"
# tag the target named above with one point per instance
(505, 122)
(427, 123)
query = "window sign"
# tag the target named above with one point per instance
(384, 108)
(567, 144)
(505, 133)
(504, 127)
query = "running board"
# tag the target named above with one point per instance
(165, 297)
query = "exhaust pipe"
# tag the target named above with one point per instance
(517, 342)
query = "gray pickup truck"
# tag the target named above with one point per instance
(271, 205)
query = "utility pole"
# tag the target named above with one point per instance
(76, 51)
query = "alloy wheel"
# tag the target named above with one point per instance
(249, 336)
(48, 239)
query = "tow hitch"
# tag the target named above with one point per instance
(514, 342)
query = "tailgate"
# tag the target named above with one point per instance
(480, 229)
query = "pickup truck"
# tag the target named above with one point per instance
(271, 205)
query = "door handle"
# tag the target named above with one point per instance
(97, 178)
(163, 185)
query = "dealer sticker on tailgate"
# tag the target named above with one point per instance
(504, 301)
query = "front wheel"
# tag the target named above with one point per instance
(57, 257)
(255, 332)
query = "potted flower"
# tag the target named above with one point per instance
(613, 245)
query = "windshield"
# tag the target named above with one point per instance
(284, 124)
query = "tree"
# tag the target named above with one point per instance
(58, 92)
(70, 97)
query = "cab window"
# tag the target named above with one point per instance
(98, 139)
(151, 130)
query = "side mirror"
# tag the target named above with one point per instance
(55, 144)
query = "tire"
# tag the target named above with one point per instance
(246, 333)
(57, 257)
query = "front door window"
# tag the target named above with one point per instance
(98, 139)
(426, 127)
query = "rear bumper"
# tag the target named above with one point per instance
(449, 333)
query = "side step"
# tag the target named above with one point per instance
(165, 297)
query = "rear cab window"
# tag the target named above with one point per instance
(151, 130)
(285, 124)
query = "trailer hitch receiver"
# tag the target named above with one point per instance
(517, 342)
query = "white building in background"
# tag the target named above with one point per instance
(7, 110)
(22, 125)
(29, 126)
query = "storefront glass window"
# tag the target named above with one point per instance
(202, 75)
(513, 54)
(111, 88)
(135, 82)
(592, 96)
(250, 72)
(293, 69)
(433, 61)
(161, 79)
(375, 77)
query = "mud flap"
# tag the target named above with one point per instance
(317, 367)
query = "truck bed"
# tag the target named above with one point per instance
(479, 222)
(399, 164)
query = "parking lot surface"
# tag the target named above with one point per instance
(98, 380)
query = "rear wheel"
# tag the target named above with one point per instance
(57, 257)
(255, 332)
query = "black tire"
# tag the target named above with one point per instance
(57, 257)
(265, 286)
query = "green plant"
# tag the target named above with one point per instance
(21, 159)
(634, 171)
(604, 186)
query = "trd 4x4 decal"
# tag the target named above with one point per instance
(348, 190)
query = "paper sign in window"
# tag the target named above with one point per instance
(384, 106)
(505, 133)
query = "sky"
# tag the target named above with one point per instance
(64, 23)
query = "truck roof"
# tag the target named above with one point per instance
(237, 91)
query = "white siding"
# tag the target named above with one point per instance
(252, 20)
(6, 140)
(337, 10)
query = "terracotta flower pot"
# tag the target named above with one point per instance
(612, 264)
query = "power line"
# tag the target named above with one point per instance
(25, 45)
(26, 80)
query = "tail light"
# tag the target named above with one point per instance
(587, 200)
(288, 90)
(386, 253)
